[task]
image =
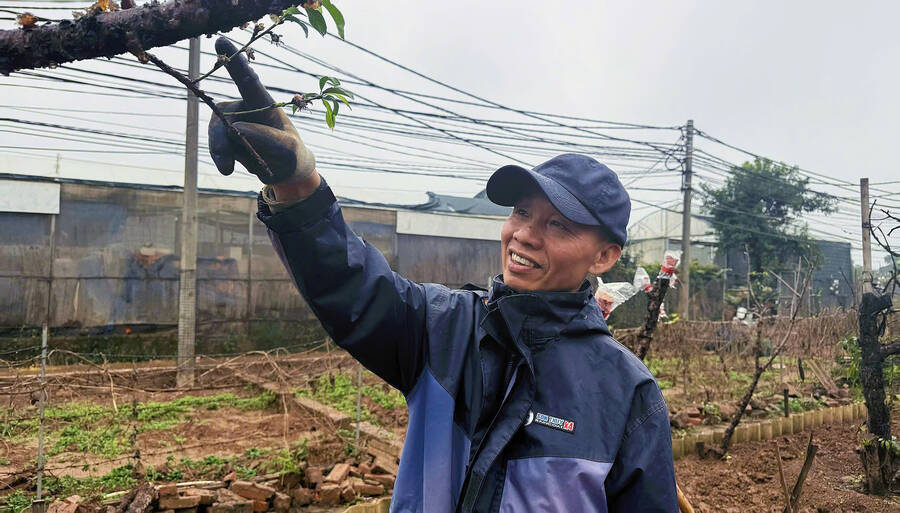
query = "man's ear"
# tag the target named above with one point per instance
(605, 258)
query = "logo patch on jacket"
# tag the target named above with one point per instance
(550, 421)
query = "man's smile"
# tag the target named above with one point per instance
(522, 260)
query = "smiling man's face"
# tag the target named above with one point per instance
(544, 251)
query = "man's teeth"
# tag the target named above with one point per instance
(522, 260)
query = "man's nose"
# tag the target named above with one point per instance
(529, 235)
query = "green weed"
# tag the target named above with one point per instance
(339, 392)
(286, 461)
(119, 478)
(105, 441)
(17, 502)
(390, 399)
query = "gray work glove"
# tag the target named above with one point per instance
(270, 132)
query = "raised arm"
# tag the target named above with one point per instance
(374, 313)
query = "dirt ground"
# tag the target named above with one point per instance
(746, 481)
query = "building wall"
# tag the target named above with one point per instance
(116, 259)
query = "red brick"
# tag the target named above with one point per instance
(385, 480)
(338, 473)
(314, 475)
(207, 497)
(329, 494)
(176, 502)
(70, 505)
(301, 497)
(252, 491)
(167, 490)
(368, 490)
(281, 502)
(385, 466)
(231, 507)
(348, 494)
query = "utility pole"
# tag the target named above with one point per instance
(187, 300)
(684, 299)
(45, 338)
(866, 237)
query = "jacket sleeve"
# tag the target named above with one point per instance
(642, 479)
(369, 310)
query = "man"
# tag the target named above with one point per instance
(519, 399)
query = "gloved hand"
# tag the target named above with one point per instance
(270, 131)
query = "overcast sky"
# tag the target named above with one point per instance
(809, 83)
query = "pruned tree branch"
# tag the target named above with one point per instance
(215, 108)
(133, 30)
(891, 349)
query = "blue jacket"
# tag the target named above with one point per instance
(518, 402)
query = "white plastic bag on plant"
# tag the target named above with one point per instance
(669, 263)
(642, 280)
(610, 295)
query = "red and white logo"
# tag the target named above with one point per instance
(568, 425)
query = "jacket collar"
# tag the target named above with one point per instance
(534, 317)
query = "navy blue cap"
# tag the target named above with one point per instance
(582, 189)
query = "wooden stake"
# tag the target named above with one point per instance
(804, 471)
(784, 490)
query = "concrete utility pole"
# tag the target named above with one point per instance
(866, 237)
(684, 299)
(187, 300)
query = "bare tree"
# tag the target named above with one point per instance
(762, 365)
(880, 454)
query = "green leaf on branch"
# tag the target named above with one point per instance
(317, 21)
(298, 21)
(336, 106)
(336, 16)
(328, 80)
(340, 94)
(338, 90)
(329, 114)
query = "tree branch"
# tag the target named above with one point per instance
(891, 349)
(212, 105)
(141, 28)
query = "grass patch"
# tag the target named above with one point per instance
(107, 441)
(339, 392)
(252, 462)
(801, 404)
(100, 430)
(119, 478)
(17, 502)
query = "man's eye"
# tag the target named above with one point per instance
(521, 212)
(560, 225)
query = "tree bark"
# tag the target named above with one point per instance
(748, 395)
(876, 458)
(656, 295)
(132, 30)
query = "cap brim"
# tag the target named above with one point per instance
(510, 183)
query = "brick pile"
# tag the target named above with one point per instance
(342, 483)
